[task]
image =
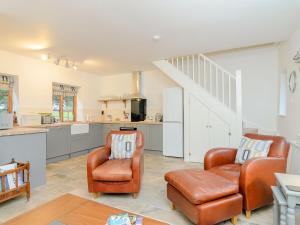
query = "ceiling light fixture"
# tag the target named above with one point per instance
(156, 38)
(44, 57)
(66, 62)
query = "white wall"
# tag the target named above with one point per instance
(34, 87)
(35, 79)
(289, 125)
(260, 83)
(121, 84)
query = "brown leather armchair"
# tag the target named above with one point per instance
(256, 175)
(116, 175)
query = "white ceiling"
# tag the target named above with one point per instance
(115, 36)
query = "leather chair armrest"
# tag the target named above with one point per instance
(219, 156)
(137, 162)
(97, 157)
(94, 159)
(256, 178)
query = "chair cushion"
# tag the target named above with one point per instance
(113, 170)
(200, 186)
(228, 171)
(250, 148)
(122, 146)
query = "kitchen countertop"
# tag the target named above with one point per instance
(95, 122)
(21, 131)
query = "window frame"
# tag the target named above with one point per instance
(10, 100)
(61, 108)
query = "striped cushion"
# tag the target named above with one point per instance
(250, 148)
(122, 146)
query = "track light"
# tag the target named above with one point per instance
(57, 61)
(64, 61)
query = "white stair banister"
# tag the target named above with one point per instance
(216, 80)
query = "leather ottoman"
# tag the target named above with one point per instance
(204, 197)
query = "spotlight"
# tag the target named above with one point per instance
(44, 57)
(57, 61)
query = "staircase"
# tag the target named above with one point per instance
(214, 87)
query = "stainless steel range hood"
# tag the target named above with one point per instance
(137, 85)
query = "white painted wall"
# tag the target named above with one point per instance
(121, 84)
(289, 125)
(34, 87)
(35, 79)
(260, 83)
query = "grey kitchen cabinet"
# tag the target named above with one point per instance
(145, 130)
(156, 137)
(115, 126)
(79, 142)
(106, 129)
(95, 136)
(58, 141)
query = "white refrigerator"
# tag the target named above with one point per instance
(173, 122)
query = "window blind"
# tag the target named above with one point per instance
(64, 89)
(6, 81)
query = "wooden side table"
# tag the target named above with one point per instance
(292, 197)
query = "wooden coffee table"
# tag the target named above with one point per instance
(71, 210)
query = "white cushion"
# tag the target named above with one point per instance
(122, 146)
(250, 148)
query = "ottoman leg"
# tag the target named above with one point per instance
(234, 220)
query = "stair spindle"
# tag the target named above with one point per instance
(229, 91)
(223, 87)
(210, 78)
(204, 75)
(188, 66)
(193, 61)
(199, 70)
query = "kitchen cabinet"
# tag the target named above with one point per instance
(79, 142)
(106, 129)
(61, 144)
(58, 141)
(155, 135)
(145, 130)
(95, 136)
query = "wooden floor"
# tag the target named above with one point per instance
(72, 210)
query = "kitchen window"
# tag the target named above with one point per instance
(6, 93)
(64, 102)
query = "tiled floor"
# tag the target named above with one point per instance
(70, 176)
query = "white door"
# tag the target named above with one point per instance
(199, 136)
(219, 131)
